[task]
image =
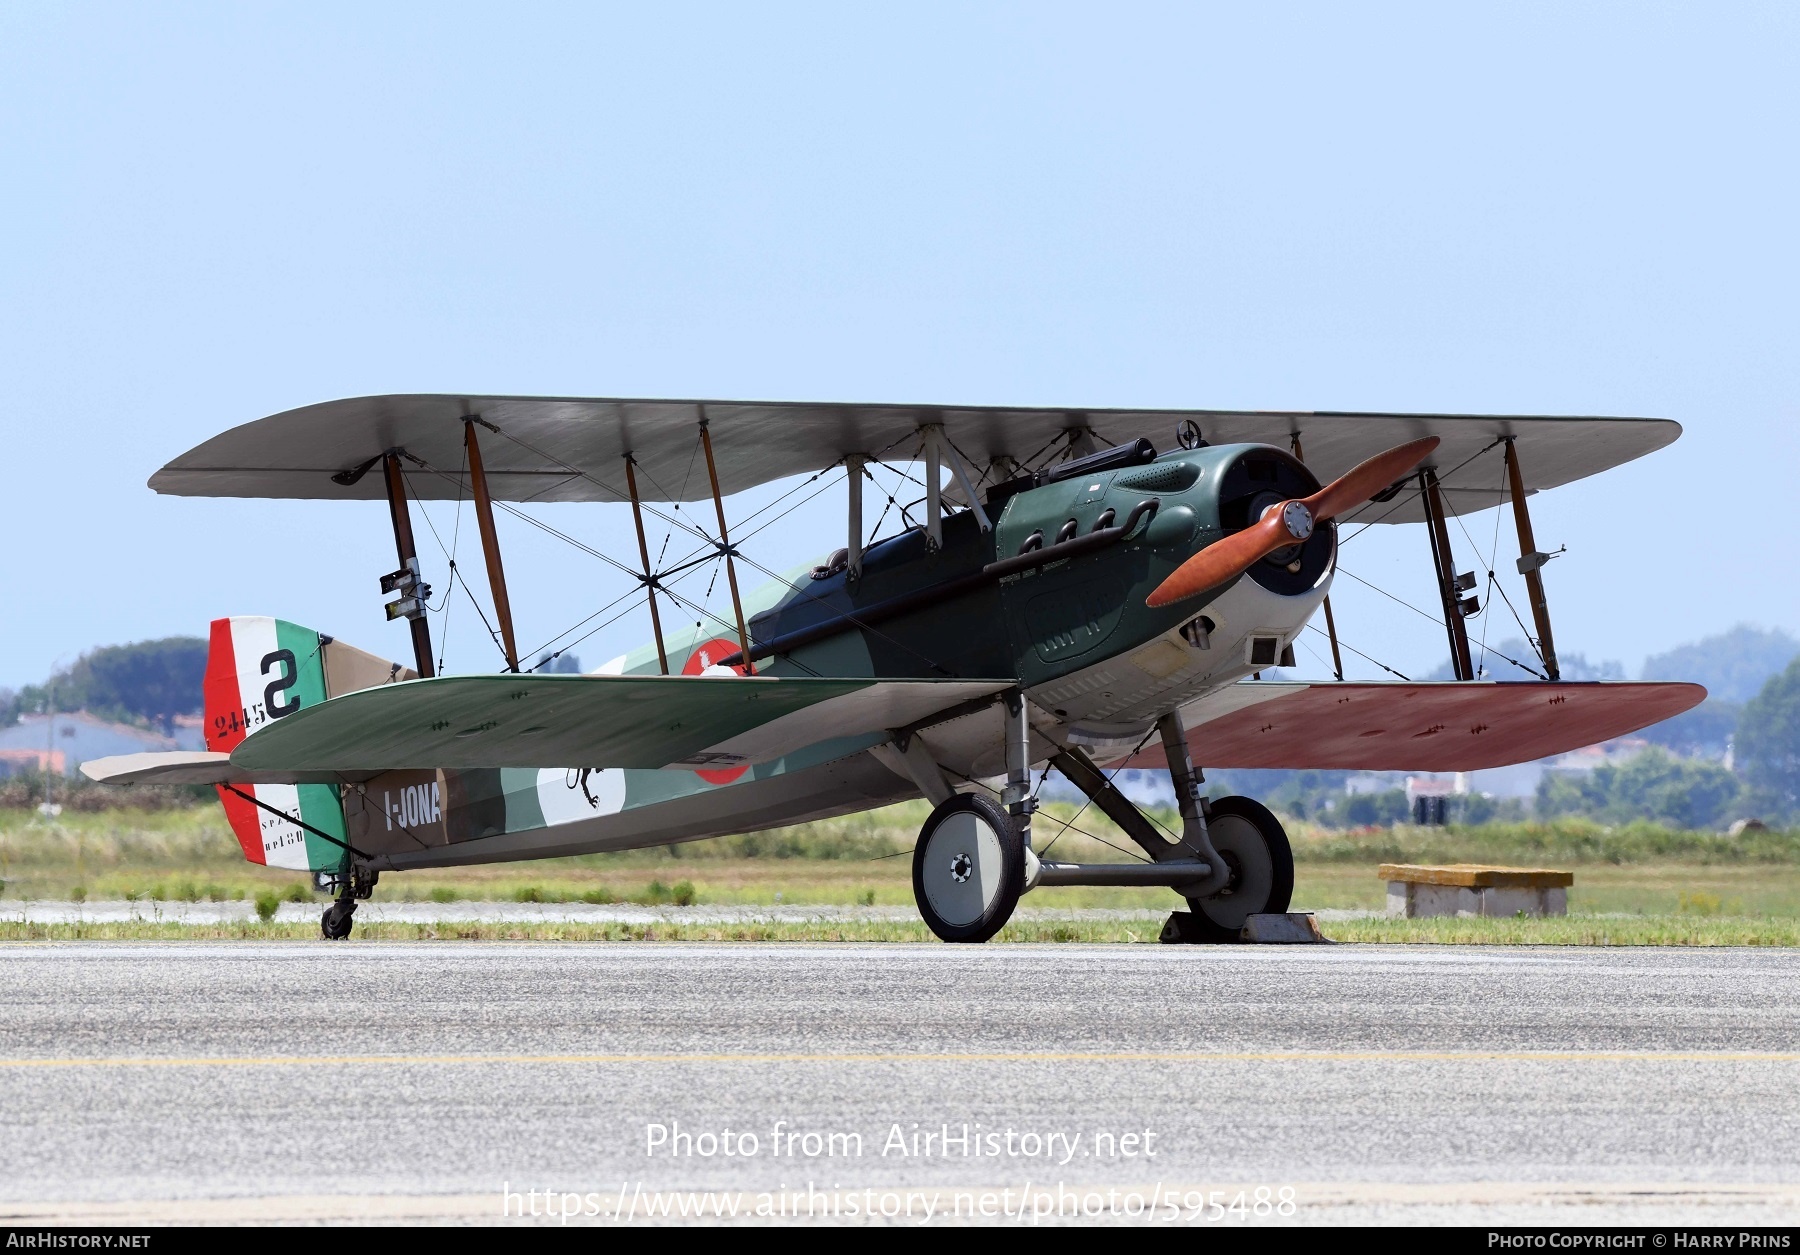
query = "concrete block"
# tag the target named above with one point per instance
(1399, 901)
(1417, 901)
(1475, 890)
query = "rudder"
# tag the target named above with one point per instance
(259, 669)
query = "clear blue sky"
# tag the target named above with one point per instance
(209, 213)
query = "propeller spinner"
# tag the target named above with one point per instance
(1287, 523)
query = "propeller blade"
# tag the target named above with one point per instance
(1286, 524)
(1221, 560)
(1365, 479)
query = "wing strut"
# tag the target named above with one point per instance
(853, 467)
(1531, 563)
(490, 541)
(405, 581)
(1450, 584)
(637, 517)
(737, 603)
(1337, 659)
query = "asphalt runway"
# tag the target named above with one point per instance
(247, 1081)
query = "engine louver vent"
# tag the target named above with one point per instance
(1171, 478)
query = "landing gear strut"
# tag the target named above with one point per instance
(353, 885)
(1232, 861)
(974, 858)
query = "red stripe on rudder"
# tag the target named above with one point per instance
(220, 695)
(245, 820)
(220, 691)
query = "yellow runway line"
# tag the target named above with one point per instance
(1268, 1056)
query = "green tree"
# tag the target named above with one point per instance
(1767, 749)
(1704, 731)
(1733, 665)
(1678, 792)
(1365, 809)
(150, 680)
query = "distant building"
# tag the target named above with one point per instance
(62, 742)
(1520, 780)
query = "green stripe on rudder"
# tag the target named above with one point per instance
(320, 804)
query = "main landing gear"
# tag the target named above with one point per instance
(353, 885)
(974, 859)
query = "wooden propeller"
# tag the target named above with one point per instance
(1287, 523)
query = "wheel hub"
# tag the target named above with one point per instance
(961, 868)
(1236, 867)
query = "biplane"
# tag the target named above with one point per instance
(1063, 595)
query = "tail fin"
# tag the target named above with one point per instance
(260, 669)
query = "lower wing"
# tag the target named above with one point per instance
(1458, 726)
(588, 721)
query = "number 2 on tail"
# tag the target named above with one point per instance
(273, 695)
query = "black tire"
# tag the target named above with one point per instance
(968, 869)
(336, 923)
(1255, 846)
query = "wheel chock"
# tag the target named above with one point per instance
(1294, 928)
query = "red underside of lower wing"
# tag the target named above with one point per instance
(1427, 727)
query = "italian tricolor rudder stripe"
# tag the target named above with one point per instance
(257, 670)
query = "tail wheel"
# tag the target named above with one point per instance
(337, 920)
(1255, 847)
(968, 869)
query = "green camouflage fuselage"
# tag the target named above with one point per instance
(1046, 626)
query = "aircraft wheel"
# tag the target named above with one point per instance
(1255, 846)
(968, 869)
(336, 921)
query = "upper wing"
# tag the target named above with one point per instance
(589, 721)
(1416, 727)
(571, 448)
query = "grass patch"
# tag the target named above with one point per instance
(1639, 889)
(1573, 930)
(1578, 842)
(1677, 887)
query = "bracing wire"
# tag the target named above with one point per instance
(1493, 561)
(1088, 801)
(1404, 500)
(1070, 828)
(1384, 592)
(456, 576)
(1359, 653)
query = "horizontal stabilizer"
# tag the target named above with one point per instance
(194, 767)
(639, 721)
(1456, 726)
